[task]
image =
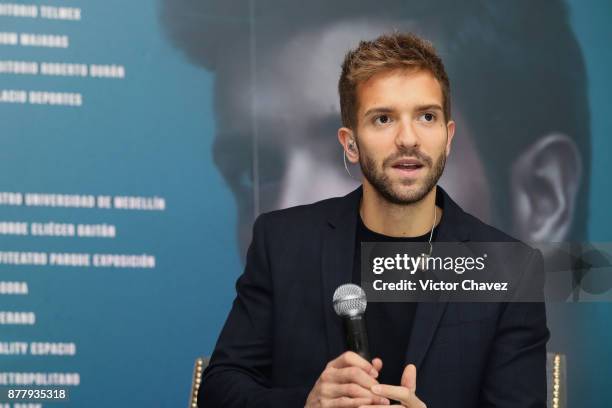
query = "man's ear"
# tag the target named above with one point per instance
(544, 183)
(345, 136)
(450, 131)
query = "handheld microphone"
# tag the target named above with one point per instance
(350, 304)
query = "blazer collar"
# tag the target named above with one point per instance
(338, 250)
(451, 228)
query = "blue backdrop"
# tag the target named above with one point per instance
(151, 134)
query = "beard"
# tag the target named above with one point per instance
(381, 182)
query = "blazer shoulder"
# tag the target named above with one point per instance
(301, 215)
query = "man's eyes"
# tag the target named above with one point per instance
(382, 119)
(428, 117)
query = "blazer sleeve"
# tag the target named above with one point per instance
(516, 368)
(240, 367)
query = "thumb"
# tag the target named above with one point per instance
(377, 363)
(409, 377)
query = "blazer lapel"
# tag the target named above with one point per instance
(338, 251)
(428, 315)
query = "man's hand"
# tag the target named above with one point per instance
(404, 394)
(346, 382)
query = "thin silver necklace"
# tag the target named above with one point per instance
(426, 256)
(433, 225)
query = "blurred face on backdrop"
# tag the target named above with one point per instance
(402, 137)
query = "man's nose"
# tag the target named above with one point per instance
(406, 134)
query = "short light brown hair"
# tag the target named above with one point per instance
(385, 53)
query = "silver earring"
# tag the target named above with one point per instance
(345, 165)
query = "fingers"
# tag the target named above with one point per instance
(409, 377)
(346, 392)
(349, 382)
(349, 358)
(381, 406)
(331, 390)
(346, 402)
(398, 393)
(346, 382)
(377, 364)
(402, 394)
(349, 375)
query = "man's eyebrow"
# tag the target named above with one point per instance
(419, 108)
(380, 109)
(433, 106)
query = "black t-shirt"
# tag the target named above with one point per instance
(389, 324)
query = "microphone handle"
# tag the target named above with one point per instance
(357, 336)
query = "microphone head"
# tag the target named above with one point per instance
(349, 300)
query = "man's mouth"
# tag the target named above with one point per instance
(407, 166)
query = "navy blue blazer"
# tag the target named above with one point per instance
(282, 329)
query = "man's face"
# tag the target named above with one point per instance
(293, 111)
(402, 136)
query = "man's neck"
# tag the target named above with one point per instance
(411, 220)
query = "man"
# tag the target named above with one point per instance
(282, 345)
(521, 160)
